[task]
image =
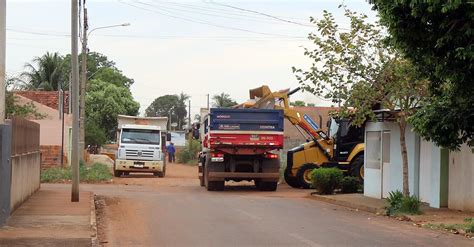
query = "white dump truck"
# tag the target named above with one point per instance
(141, 144)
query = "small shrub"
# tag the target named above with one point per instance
(326, 180)
(398, 203)
(189, 154)
(410, 205)
(55, 174)
(350, 185)
(470, 225)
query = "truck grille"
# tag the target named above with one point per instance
(133, 153)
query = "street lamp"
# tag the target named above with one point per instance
(84, 79)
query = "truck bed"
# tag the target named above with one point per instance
(244, 131)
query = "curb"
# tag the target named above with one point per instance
(369, 209)
(93, 222)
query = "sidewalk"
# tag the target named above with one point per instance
(434, 218)
(49, 218)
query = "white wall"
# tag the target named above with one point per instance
(424, 171)
(461, 179)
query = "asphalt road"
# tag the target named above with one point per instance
(175, 211)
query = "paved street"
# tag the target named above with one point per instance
(146, 211)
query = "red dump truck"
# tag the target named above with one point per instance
(241, 144)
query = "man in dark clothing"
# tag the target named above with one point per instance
(170, 149)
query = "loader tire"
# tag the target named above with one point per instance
(290, 180)
(304, 175)
(357, 168)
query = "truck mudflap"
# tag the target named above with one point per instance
(219, 176)
(139, 165)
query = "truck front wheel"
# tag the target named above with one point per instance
(117, 173)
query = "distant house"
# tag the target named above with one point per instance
(48, 104)
(436, 176)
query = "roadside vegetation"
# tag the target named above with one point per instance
(327, 180)
(96, 173)
(189, 155)
(466, 228)
(401, 204)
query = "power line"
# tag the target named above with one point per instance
(199, 21)
(261, 13)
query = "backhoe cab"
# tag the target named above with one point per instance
(341, 147)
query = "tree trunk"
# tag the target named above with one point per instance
(403, 124)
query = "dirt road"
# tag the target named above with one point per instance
(142, 210)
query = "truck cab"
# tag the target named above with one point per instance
(140, 149)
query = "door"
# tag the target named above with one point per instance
(385, 163)
(425, 171)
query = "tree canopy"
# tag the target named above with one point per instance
(223, 100)
(45, 73)
(356, 68)
(437, 36)
(171, 106)
(104, 102)
(298, 103)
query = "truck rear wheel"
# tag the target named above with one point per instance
(304, 175)
(290, 180)
(266, 186)
(213, 185)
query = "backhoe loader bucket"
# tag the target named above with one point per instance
(260, 92)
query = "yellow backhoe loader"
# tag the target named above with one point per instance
(341, 147)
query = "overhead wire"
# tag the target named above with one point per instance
(203, 22)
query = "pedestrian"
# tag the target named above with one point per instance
(171, 150)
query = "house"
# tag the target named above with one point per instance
(437, 176)
(48, 104)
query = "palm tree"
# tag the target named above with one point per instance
(45, 73)
(223, 100)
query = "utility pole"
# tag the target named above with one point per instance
(3, 33)
(189, 114)
(208, 101)
(83, 85)
(75, 103)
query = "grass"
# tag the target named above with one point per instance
(96, 173)
(467, 227)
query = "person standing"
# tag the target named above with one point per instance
(171, 150)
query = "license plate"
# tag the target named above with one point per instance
(254, 137)
(138, 166)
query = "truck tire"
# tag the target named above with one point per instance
(357, 167)
(266, 186)
(116, 173)
(290, 180)
(303, 175)
(213, 185)
(201, 178)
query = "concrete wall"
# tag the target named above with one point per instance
(461, 179)
(5, 172)
(25, 177)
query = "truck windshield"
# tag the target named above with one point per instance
(140, 136)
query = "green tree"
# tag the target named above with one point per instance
(101, 68)
(311, 104)
(104, 102)
(223, 100)
(298, 103)
(13, 109)
(171, 106)
(438, 37)
(357, 69)
(45, 73)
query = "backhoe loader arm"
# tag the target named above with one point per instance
(263, 98)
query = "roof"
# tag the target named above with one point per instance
(47, 98)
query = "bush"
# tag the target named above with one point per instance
(96, 173)
(350, 185)
(190, 152)
(402, 204)
(326, 180)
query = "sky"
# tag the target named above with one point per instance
(196, 47)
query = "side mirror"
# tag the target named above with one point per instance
(168, 137)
